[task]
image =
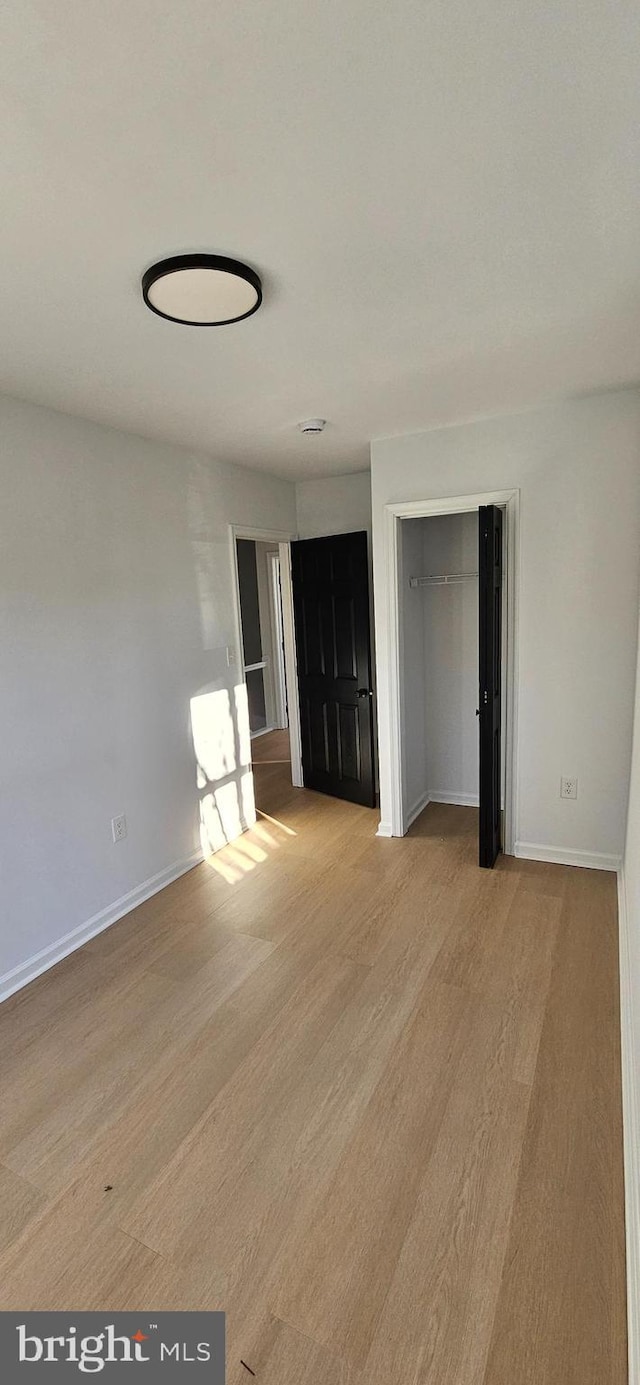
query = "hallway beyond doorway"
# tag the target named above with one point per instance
(271, 765)
(272, 748)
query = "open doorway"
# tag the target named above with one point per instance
(261, 561)
(439, 629)
(303, 641)
(262, 638)
(452, 597)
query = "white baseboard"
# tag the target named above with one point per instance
(27, 971)
(462, 800)
(431, 796)
(562, 856)
(415, 811)
(384, 829)
(631, 1135)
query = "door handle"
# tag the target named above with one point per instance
(364, 692)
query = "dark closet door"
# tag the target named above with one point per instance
(331, 606)
(490, 671)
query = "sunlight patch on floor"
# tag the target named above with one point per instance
(281, 825)
(234, 860)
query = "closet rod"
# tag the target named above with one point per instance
(442, 579)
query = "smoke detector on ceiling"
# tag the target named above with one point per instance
(312, 425)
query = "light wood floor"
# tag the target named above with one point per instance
(358, 1093)
(273, 748)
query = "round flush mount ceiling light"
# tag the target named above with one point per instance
(202, 290)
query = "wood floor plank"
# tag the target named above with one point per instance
(180, 1200)
(277, 1181)
(436, 1321)
(172, 1095)
(561, 1312)
(70, 1261)
(361, 1225)
(72, 1046)
(277, 1354)
(274, 748)
(30, 1017)
(45, 1134)
(354, 1091)
(19, 1203)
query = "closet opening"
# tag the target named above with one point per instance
(452, 631)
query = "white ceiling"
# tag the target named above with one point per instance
(443, 200)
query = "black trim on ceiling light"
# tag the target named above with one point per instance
(221, 262)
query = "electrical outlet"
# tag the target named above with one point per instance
(568, 788)
(231, 655)
(119, 828)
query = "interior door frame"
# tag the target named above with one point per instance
(279, 670)
(509, 501)
(283, 540)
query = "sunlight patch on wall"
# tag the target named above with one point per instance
(241, 707)
(215, 738)
(225, 812)
(222, 745)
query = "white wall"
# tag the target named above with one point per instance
(450, 614)
(630, 1017)
(577, 466)
(116, 610)
(412, 654)
(334, 505)
(632, 855)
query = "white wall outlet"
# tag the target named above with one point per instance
(231, 656)
(119, 828)
(568, 788)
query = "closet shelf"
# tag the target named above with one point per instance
(442, 579)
